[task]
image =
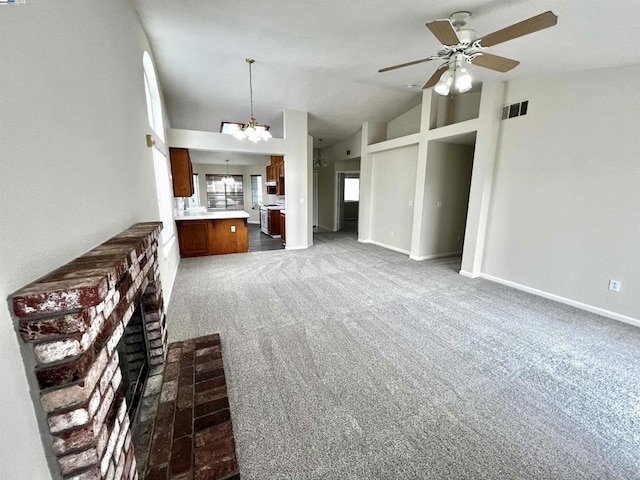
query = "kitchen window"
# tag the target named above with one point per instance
(256, 190)
(224, 192)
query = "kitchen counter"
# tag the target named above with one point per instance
(211, 215)
(212, 233)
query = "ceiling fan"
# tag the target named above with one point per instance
(460, 45)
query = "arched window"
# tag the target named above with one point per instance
(154, 106)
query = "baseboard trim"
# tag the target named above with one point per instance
(300, 247)
(436, 255)
(253, 222)
(464, 273)
(324, 228)
(384, 245)
(567, 301)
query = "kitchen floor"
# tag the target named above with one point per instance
(259, 241)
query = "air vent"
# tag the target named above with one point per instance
(515, 110)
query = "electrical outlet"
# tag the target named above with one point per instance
(233, 229)
(614, 285)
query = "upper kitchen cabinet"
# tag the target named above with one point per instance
(182, 172)
(275, 175)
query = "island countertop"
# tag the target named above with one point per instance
(218, 215)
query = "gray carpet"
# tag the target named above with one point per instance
(349, 361)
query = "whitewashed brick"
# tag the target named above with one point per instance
(93, 474)
(120, 466)
(94, 403)
(100, 307)
(76, 461)
(115, 338)
(111, 443)
(91, 334)
(133, 471)
(65, 421)
(117, 379)
(127, 440)
(107, 375)
(122, 411)
(102, 440)
(56, 351)
(121, 438)
(107, 399)
(106, 466)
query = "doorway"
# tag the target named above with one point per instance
(347, 201)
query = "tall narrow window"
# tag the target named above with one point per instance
(165, 196)
(194, 200)
(160, 163)
(256, 190)
(223, 193)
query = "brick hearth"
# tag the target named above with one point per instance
(70, 322)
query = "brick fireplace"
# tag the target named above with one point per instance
(70, 322)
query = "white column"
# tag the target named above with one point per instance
(421, 173)
(298, 174)
(482, 177)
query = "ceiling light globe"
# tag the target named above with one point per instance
(444, 84)
(463, 81)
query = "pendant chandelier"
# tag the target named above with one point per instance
(228, 180)
(252, 130)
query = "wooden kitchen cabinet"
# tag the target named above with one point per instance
(280, 179)
(283, 226)
(212, 236)
(274, 223)
(272, 174)
(193, 238)
(181, 172)
(275, 173)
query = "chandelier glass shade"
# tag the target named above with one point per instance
(252, 130)
(456, 76)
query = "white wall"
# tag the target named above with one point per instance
(74, 167)
(405, 124)
(446, 197)
(393, 183)
(565, 210)
(457, 108)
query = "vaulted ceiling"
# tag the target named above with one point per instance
(322, 56)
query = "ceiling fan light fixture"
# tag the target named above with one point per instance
(462, 81)
(444, 84)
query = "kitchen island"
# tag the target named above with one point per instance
(212, 233)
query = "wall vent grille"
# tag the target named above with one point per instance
(515, 110)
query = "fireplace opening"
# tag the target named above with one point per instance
(133, 350)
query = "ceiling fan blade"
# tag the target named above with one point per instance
(386, 69)
(525, 27)
(495, 62)
(435, 77)
(444, 32)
